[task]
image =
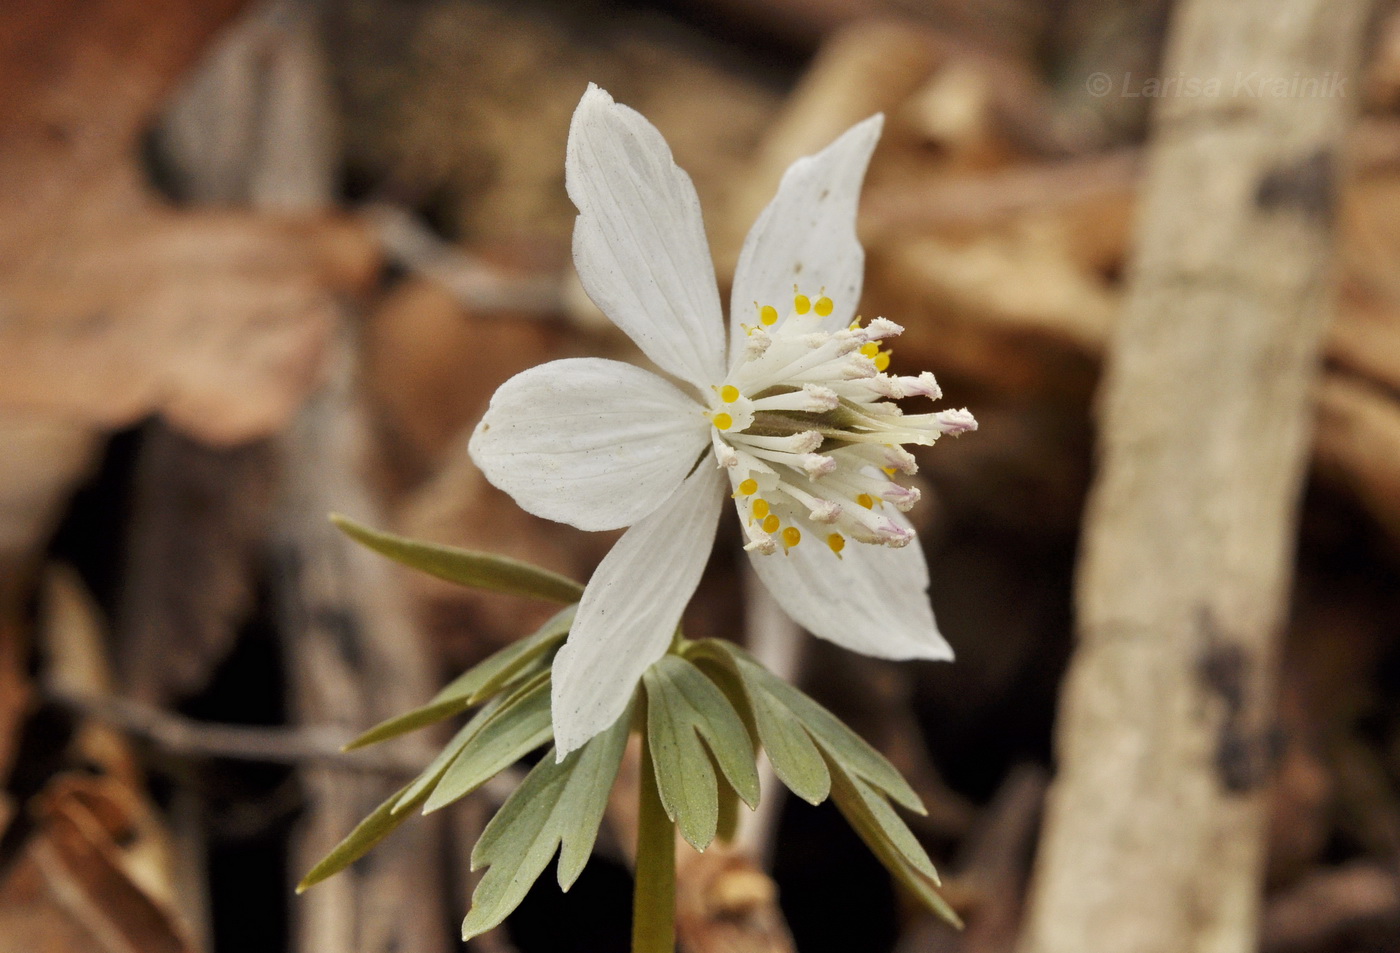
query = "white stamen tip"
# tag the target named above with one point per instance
(816, 465)
(820, 399)
(926, 386)
(903, 497)
(956, 421)
(762, 544)
(882, 328)
(856, 367)
(848, 341)
(901, 459)
(756, 343)
(894, 535)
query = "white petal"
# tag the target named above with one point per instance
(807, 235)
(593, 443)
(873, 600)
(631, 607)
(639, 241)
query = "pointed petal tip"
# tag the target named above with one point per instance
(639, 240)
(567, 740)
(915, 649)
(808, 231)
(872, 125)
(940, 652)
(594, 96)
(923, 645)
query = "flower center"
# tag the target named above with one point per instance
(807, 425)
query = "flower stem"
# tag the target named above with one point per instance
(654, 897)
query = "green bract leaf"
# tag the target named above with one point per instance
(424, 783)
(782, 707)
(684, 706)
(520, 725)
(889, 839)
(465, 567)
(795, 758)
(511, 665)
(559, 805)
(395, 810)
(358, 842)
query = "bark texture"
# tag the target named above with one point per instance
(1154, 830)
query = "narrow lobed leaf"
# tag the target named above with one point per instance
(685, 776)
(796, 760)
(368, 833)
(891, 827)
(500, 671)
(463, 566)
(424, 783)
(520, 725)
(558, 806)
(830, 734)
(684, 707)
(872, 818)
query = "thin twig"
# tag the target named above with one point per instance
(474, 283)
(187, 738)
(183, 737)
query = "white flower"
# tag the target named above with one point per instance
(796, 422)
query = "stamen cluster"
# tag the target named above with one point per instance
(807, 427)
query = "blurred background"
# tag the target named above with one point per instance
(261, 261)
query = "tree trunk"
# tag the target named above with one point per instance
(1154, 832)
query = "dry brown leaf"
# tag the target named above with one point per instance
(114, 306)
(75, 890)
(218, 320)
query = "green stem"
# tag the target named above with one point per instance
(654, 897)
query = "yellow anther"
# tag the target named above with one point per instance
(870, 350)
(729, 393)
(768, 314)
(882, 360)
(823, 306)
(855, 325)
(771, 523)
(760, 508)
(792, 536)
(722, 421)
(865, 501)
(837, 542)
(801, 304)
(890, 471)
(749, 487)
